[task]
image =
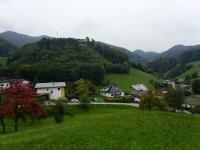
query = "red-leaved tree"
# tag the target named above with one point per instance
(19, 100)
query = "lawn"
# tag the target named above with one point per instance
(109, 128)
(134, 77)
(195, 68)
(3, 60)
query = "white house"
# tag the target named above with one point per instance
(54, 90)
(111, 91)
(139, 87)
(190, 103)
(4, 84)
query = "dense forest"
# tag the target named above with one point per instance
(65, 60)
(6, 48)
(173, 67)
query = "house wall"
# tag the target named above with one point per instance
(106, 94)
(188, 106)
(112, 94)
(54, 93)
(4, 86)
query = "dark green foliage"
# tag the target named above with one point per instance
(83, 89)
(196, 109)
(175, 98)
(196, 86)
(195, 75)
(119, 99)
(151, 101)
(6, 48)
(172, 67)
(59, 111)
(63, 60)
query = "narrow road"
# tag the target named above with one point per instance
(105, 103)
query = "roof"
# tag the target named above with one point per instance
(194, 102)
(111, 89)
(50, 85)
(139, 87)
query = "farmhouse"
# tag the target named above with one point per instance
(54, 90)
(139, 87)
(191, 103)
(4, 83)
(139, 90)
(111, 91)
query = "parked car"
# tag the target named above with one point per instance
(94, 99)
(74, 101)
(136, 100)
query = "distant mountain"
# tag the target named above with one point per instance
(147, 56)
(6, 48)
(177, 50)
(19, 40)
(133, 57)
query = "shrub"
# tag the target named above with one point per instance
(152, 101)
(196, 109)
(59, 111)
(84, 101)
(175, 98)
(118, 99)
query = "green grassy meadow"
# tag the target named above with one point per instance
(135, 76)
(3, 60)
(108, 128)
(195, 68)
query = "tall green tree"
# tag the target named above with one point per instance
(175, 98)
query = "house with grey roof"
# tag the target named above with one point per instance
(111, 91)
(54, 90)
(191, 103)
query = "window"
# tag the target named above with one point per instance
(58, 89)
(51, 91)
(47, 89)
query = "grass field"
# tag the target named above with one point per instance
(109, 128)
(3, 60)
(196, 67)
(126, 80)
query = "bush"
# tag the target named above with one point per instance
(59, 111)
(84, 102)
(119, 99)
(152, 101)
(58, 117)
(196, 110)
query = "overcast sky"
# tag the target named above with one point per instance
(151, 25)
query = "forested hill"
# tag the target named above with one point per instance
(18, 39)
(6, 48)
(65, 60)
(175, 66)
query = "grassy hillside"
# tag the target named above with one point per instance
(3, 60)
(135, 76)
(195, 68)
(109, 128)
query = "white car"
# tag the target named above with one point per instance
(74, 100)
(136, 100)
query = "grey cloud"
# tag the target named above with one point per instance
(144, 24)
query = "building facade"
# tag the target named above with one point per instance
(54, 90)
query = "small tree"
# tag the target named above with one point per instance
(59, 111)
(196, 86)
(152, 101)
(175, 98)
(83, 89)
(21, 99)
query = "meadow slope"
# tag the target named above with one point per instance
(135, 76)
(109, 128)
(195, 68)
